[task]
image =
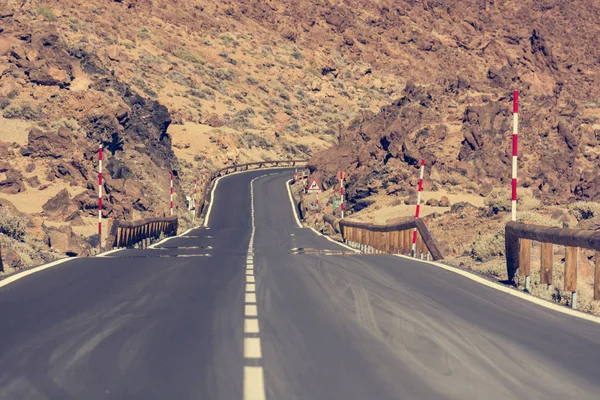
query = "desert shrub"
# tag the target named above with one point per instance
(128, 45)
(4, 102)
(536, 218)
(293, 127)
(296, 55)
(205, 93)
(241, 119)
(22, 111)
(585, 210)
(499, 200)
(188, 55)
(48, 13)
(224, 74)
(251, 80)
(251, 140)
(488, 245)
(145, 33)
(11, 225)
(229, 39)
(13, 93)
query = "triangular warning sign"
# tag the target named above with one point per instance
(314, 186)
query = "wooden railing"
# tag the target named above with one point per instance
(142, 232)
(518, 238)
(203, 202)
(388, 239)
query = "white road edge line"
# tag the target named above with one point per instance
(335, 241)
(287, 185)
(23, 274)
(510, 291)
(28, 272)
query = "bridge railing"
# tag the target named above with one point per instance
(518, 242)
(203, 202)
(128, 234)
(389, 239)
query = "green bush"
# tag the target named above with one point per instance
(585, 210)
(13, 226)
(488, 245)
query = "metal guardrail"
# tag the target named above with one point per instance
(388, 239)
(202, 205)
(518, 237)
(128, 234)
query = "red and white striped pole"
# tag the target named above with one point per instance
(515, 146)
(342, 193)
(420, 189)
(100, 183)
(171, 194)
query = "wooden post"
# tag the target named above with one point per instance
(597, 277)
(407, 241)
(525, 258)
(546, 262)
(571, 269)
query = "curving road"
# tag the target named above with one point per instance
(255, 307)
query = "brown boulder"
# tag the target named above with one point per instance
(9, 258)
(33, 181)
(47, 144)
(444, 202)
(13, 183)
(63, 240)
(432, 203)
(59, 206)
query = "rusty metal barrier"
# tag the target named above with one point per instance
(518, 237)
(128, 234)
(389, 239)
(203, 202)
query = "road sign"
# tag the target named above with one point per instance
(336, 203)
(314, 186)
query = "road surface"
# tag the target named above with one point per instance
(254, 307)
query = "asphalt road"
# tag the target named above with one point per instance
(293, 316)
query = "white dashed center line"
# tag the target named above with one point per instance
(254, 380)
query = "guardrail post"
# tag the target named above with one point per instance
(525, 262)
(419, 246)
(546, 264)
(512, 245)
(571, 273)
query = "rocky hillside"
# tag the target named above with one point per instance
(179, 85)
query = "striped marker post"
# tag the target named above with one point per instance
(171, 194)
(100, 183)
(420, 189)
(515, 145)
(342, 193)
(515, 152)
